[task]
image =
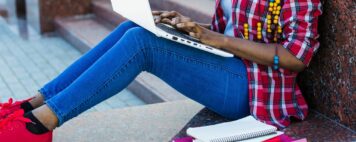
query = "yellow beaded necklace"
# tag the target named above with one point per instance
(274, 30)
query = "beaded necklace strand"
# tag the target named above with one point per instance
(259, 24)
(246, 25)
(274, 30)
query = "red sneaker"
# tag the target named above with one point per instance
(10, 107)
(13, 129)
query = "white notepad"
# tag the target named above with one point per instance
(242, 129)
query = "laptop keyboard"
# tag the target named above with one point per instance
(176, 32)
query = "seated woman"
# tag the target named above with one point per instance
(272, 41)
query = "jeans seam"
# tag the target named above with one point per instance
(201, 62)
(52, 106)
(44, 93)
(225, 93)
(194, 59)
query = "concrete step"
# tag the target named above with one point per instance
(103, 10)
(199, 10)
(79, 31)
(149, 123)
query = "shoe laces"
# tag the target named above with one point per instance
(16, 116)
(6, 108)
(9, 103)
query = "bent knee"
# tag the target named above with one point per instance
(139, 35)
(128, 23)
(141, 38)
(137, 31)
(137, 38)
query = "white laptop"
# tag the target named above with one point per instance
(139, 12)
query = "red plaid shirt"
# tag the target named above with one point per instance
(274, 96)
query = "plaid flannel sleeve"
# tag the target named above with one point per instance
(299, 20)
(218, 22)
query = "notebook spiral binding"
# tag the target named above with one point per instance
(244, 136)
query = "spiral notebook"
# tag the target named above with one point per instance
(242, 129)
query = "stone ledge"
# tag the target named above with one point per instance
(315, 128)
(149, 123)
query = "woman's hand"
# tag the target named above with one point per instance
(204, 35)
(185, 24)
(169, 17)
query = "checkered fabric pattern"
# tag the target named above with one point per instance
(274, 95)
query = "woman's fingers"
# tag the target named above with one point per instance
(169, 17)
(156, 16)
(156, 13)
(169, 14)
(187, 26)
(157, 19)
(193, 34)
(166, 21)
(177, 20)
(165, 16)
(191, 28)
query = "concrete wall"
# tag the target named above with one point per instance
(329, 82)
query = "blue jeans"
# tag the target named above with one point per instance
(216, 82)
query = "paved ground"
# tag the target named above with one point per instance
(26, 65)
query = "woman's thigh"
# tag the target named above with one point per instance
(218, 83)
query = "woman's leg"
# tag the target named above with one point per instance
(78, 67)
(216, 82)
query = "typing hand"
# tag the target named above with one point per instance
(178, 21)
(169, 17)
(185, 24)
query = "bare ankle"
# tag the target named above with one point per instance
(46, 116)
(37, 101)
